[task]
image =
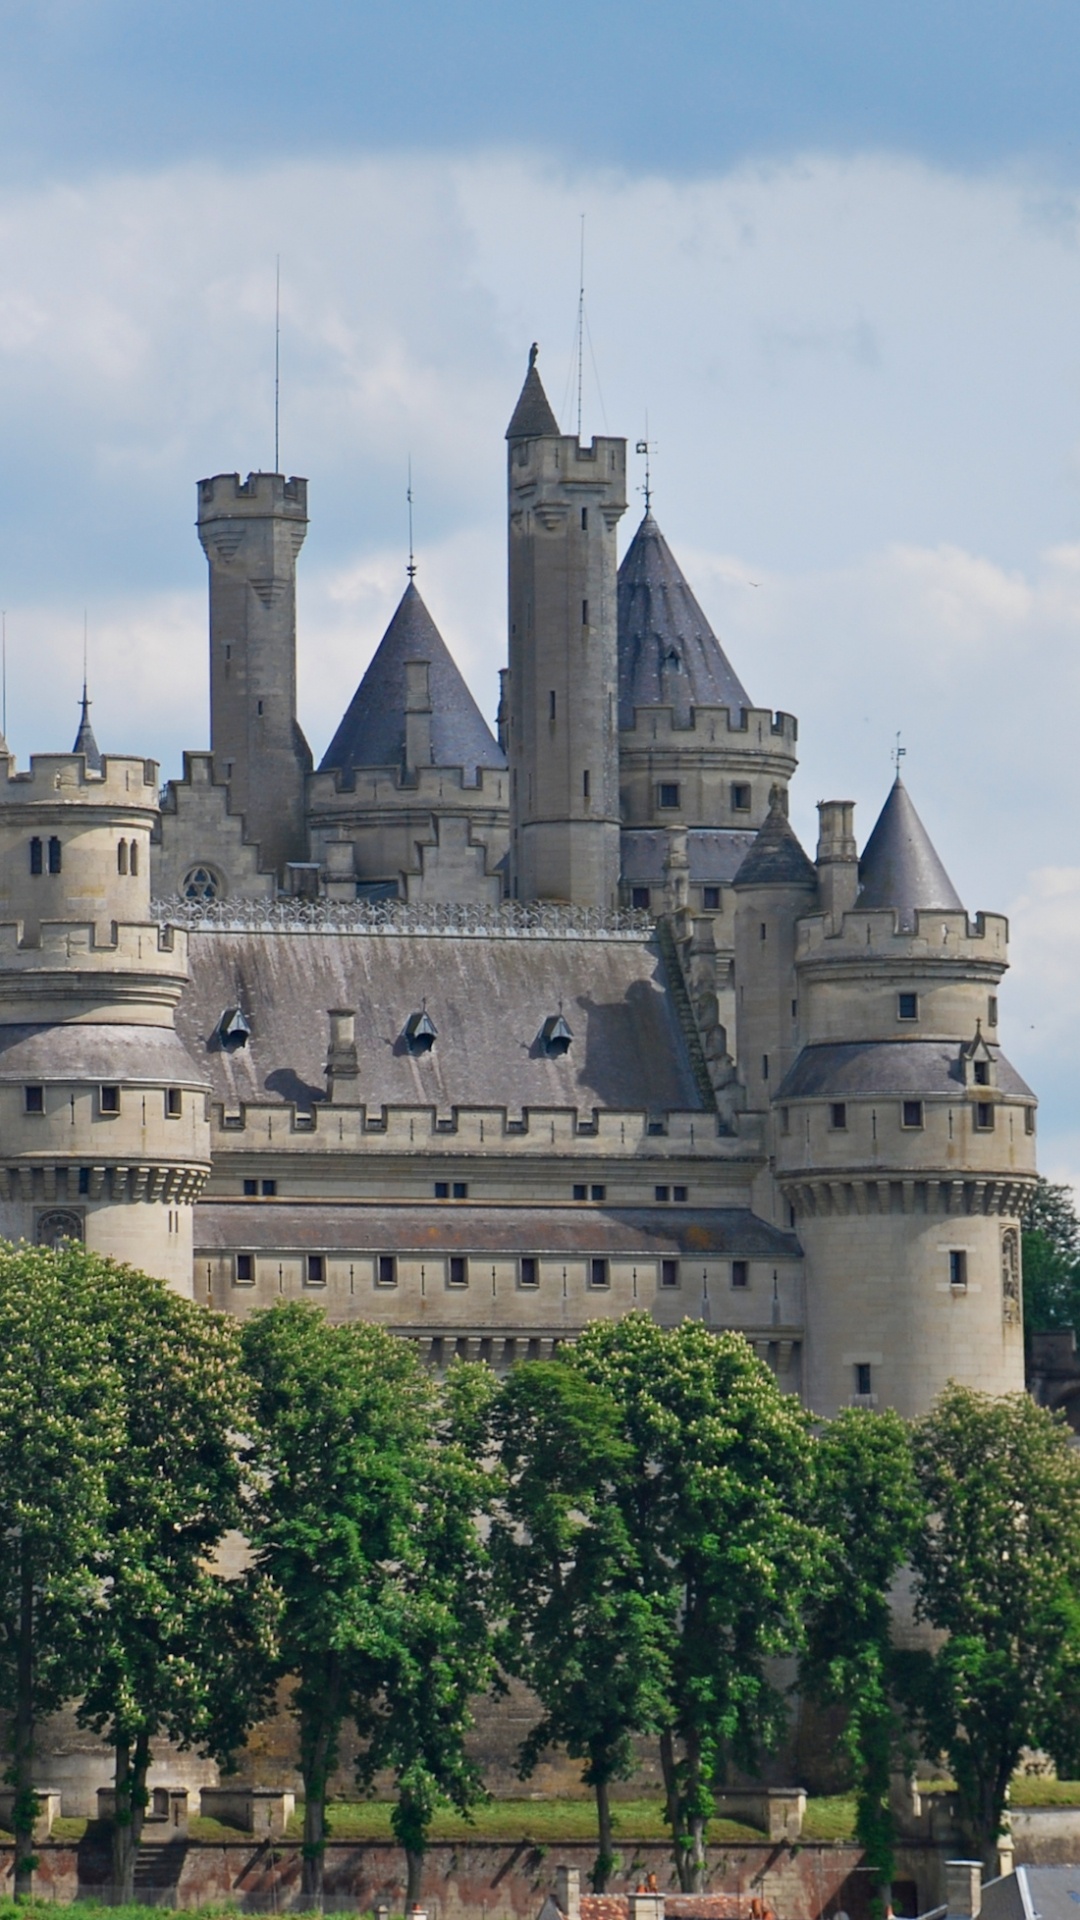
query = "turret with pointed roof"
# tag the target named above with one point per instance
(900, 867)
(373, 731)
(669, 655)
(85, 742)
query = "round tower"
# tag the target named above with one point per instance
(903, 1139)
(104, 1132)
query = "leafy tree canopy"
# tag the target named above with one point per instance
(1051, 1259)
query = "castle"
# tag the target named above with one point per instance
(485, 1035)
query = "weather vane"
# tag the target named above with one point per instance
(411, 568)
(647, 447)
(898, 753)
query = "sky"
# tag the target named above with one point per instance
(832, 258)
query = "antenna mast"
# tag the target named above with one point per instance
(277, 360)
(580, 325)
(411, 568)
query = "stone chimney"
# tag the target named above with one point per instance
(837, 857)
(963, 1889)
(342, 1061)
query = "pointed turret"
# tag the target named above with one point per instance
(669, 655)
(375, 730)
(900, 867)
(85, 742)
(776, 858)
(532, 418)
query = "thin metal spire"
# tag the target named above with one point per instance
(647, 447)
(897, 755)
(277, 363)
(411, 568)
(580, 325)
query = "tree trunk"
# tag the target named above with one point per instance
(673, 1807)
(129, 1814)
(26, 1807)
(318, 1745)
(414, 1878)
(605, 1859)
(695, 1835)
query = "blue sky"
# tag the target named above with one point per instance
(833, 252)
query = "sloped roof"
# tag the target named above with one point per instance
(846, 1068)
(532, 418)
(372, 733)
(900, 867)
(669, 655)
(84, 739)
(776, 858)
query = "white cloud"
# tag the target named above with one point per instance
(862, 377)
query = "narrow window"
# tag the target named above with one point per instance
(584, 613)
(269, 1189)
(121, 857)
(597, 1193)
(678, 1193)
(598, 1273)
(764, 1066)
(387, 1270)
(174, 1103)
(785, 1119)
(740, 1273)
(527, 1272)
(584, 519)
(84, 1179)
(442, 1189)
(35, 1099)
(1029, 1119)
(316, 1270)
(258, 706)
(109, 1099)
(764, 931)
(459, 1190)
(710, 899)
(551, 706)
(957, 1267)
(35, 855)
(913, 1113)
(251, 1188)
(991, 1011)
(639, 897)
(669, 793)
(585, 783)
(458, 1272)
(982, 1073)
(740, 796)
(863, 1379)
(54, 854)
(984, 1116)
(581, 1193)
(907, 1006)
(134, 857)
(245, 1269)
(838, 1116)
(669, 1273)
(662, 1193)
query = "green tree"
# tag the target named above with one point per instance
(869, 1508)
(1051, 1259)
(997, 1572)
(720, 1506)
(413, 1697)
(579, 1623)
(343, 1417)
(170, 1646)
(61, 1423)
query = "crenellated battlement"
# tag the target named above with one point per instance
(870, 935)
(428, 787)
(53, 779)
(256, 497)
(137, 942)
(752, 727)
(536, 1132)
(565, 461)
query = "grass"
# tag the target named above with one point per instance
(830, 1820)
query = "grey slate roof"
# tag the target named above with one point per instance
(487, 995)
(714, 854)
(372, 733)
(853, 1067)
(776, 858)
(669, 655)
(153, 1056)
(899, 866)
(1033, 1893)
(84, 739)
(385, 1227)
(532, 418)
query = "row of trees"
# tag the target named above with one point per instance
(639, 1529)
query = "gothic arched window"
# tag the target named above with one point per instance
(201, 883)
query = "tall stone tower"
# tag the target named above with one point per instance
(251, 532)
(565, 502)
(104, 1131)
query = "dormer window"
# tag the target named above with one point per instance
(234, 1029)
(981, 1072)
(420, 1032)
(555, 1036)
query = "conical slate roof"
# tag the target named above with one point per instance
(372, 733)
(899, 867)
(776, 858)
(669, 655)
(532, 417)
(84, 739)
